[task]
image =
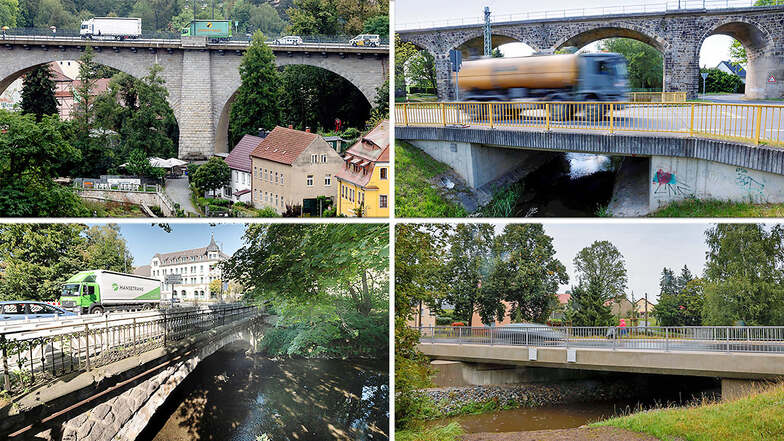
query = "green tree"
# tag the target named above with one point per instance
(743, 275)
(213, 175)
(38, 258)
(377, 25)
(313, 17)
(31, 153)
(38, 92)
(527, 274)
(721, 82)
(644, 62)
(257, 101)
(468, 252)
(106, 249)
(602, 264)
(683, 308)
(588, 305)
(265, 18)
(139, 165)
(421, 70)
(668, 282)
(9, 12)
(403, 52)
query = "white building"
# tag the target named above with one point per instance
(239, 162)
(197, 267)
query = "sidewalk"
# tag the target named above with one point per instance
(179, 191)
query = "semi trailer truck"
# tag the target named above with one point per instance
(99, 291)
(215, 30)
(117, 28)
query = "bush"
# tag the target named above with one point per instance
(192, 169)
(331, 212)
(242, 205)
(721, 82)
(293, 211)
(350, 133)
(156, 210)
(267, 212)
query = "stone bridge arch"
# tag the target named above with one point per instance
(586, 35)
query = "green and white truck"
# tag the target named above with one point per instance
(216, 31)
(99, 291)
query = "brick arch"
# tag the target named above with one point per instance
(750, 33)
(589, 35)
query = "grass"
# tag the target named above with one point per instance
(414, 196)
(755, 417)
(417, 98)
(113, 209)
(503, 202)
(449, 432)
(693, 207)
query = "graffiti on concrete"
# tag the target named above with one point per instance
(748, 183)
(669, 185)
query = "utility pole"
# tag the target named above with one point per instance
(488, 36)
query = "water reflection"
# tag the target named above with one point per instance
(581, 164)
(231, 396)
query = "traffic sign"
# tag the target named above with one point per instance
(771, 79)
(456, 59)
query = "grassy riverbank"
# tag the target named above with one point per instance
(415, 196)
(756, 417)
(714, 208)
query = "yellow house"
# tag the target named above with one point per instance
(363, 182)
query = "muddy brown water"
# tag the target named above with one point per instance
(237, 397)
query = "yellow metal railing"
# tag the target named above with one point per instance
(657, 97)
(742, 122)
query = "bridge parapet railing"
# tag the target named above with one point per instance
(766, 339)
(39, 356)
(748, 123)
(640, 8)
(657, 97)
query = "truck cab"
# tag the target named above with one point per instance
(80, 294)
(603, 77)
(371, 40)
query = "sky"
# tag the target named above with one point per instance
(646, 248)
(714, 50)
(144, 240)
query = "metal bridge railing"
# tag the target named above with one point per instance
(671, 5)
(657, 97)
(35, 357)
(766, 339)
(752, 123)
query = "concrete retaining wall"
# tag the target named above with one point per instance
(136, 198)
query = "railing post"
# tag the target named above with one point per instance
(460, 335)
(758, 125)
(547, 115)
(6, 378)
(691, 121)
(134, 334)
(617, 335)
(666, 339)
(612, 117)
(490, 114)
(443, 114)
(727, 329)
(87, 344)
(405, 113)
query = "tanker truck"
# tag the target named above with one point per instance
(99, 291)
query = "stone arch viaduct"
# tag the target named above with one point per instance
(201, 78)
(678, 35)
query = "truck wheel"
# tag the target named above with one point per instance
(96, 310)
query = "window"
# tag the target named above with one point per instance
(276, 177)
(276, 200)
(323, 159)
(382, 172)
(382, 201)
(310, 180)
(314, 159)
(327, 180)
(351, 195)
(281, 179)
(265, 174)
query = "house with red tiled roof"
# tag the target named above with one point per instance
(293, 168)
(364, 179)
(240, 164)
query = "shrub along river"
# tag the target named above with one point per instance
(240, 397)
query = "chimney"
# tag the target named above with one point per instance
(291, 126)
(263, 133)
(307, 129)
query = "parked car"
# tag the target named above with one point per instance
(23, 310)
(528, 333)
(372, 40)
(291, 40)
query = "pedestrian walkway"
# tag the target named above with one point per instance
(179, 191)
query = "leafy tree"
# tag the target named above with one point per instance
(683, 308)
(9, 11)
(257, 102)
(377, 25)
(403, 52)
(743, 275)
(588, 305)
(719, 81)
(213, 175)
(468, 252)
(381, 103)
(265, 18)
(668, 283)
(602, 264)
(421, 70)
(684, 278)
(644, 62)
(354, 14)
(106, 249)
(527, 274)
(313, 17)
(30, 154)
(38, 92)
(38, 258)
(139, 165)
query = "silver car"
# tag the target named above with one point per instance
(26, 310)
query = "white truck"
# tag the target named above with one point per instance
(111, 28)
(98, 291)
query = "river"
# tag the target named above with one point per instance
(239, 397)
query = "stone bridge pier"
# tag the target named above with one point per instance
(677, 35)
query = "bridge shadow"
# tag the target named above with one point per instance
(241, 396)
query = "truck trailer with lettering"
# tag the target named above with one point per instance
(216, 31)
(99, 291)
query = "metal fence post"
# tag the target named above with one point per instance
(727, 331)
(459, 335)
(6, 378)
(667, 339)
(758, 125)
(87, 343)
(612, 118)
(547, 116)
(443, 114)
(691, 121)
(405, 114)
(490, 114)
(134, 334)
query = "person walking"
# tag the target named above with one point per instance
(622, 328)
